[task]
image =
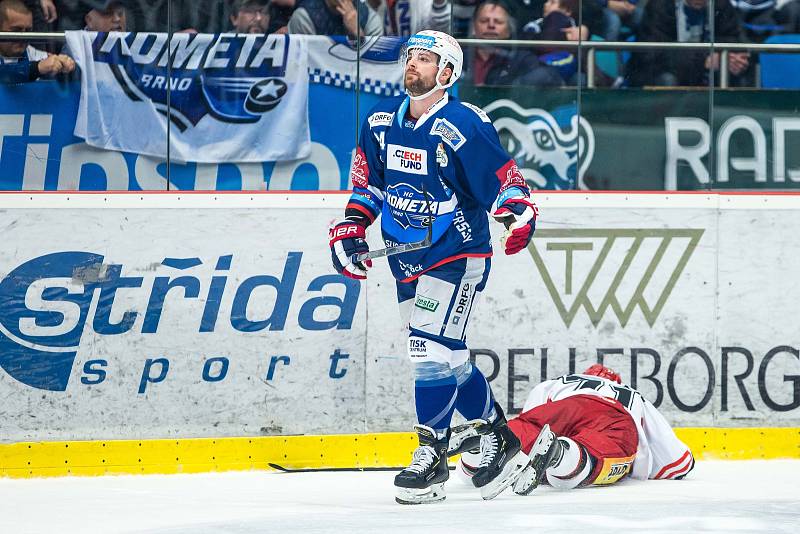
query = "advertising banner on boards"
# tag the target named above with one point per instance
(188, 321)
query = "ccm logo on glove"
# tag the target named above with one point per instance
(343, 231)
(347, 239)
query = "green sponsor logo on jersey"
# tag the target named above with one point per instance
(426, 303)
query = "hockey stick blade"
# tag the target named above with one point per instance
(391, 251)
(402, 247)
(284, 469)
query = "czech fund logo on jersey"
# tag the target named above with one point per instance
(406, 159)
(236, 79)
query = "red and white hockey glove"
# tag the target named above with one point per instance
(518, 213)
(348, 238)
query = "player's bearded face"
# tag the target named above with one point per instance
(420, 71)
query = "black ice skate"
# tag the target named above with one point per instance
(466, 437)
(546, 452)
(502, 461)
(423, 480)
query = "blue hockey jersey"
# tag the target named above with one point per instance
(453, 153)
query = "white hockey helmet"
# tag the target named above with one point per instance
(443, 45)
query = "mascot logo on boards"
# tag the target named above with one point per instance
(548, 156)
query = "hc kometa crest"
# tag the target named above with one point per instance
(409, 206)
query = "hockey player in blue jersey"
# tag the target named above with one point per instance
(426, 158)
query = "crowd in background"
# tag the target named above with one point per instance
(548, 20)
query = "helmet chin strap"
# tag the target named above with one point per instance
(426, 95)
(435, 88)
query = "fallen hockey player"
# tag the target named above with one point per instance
(584, 429)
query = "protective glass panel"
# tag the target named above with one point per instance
(755, 121)
(644, 99)
(538, 123)
(66, 103)
(675, 113)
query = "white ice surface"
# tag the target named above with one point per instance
(744, 496)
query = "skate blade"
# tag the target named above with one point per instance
(529, 479)
(464, 437)
(526, 482)
(434, 493)
(507, 476)
(543, 441)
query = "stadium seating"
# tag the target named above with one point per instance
(781, 71)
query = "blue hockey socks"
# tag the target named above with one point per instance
(435, 395)
(475, 399)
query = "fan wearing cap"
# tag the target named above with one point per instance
(109, 16)
(591, 429)
(423, 160)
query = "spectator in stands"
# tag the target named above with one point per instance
(685, 21)
(151, 15)
(528, 11)
(19, 61)
(404, 18)
(523, 11)
(110, 16)
(503, 65)
(280, 11)
(74, 14)
(43, 12)
(618, 12)
(334, 17)
(250, 16)
(49, 11)
(70, 15)
(558, 24)
(764, 18)
(209, 16)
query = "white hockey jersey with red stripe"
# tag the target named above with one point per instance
(660, 454)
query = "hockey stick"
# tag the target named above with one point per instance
(283, 469)
(402, 247)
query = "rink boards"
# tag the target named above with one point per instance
(208, 329)
(354, 451)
